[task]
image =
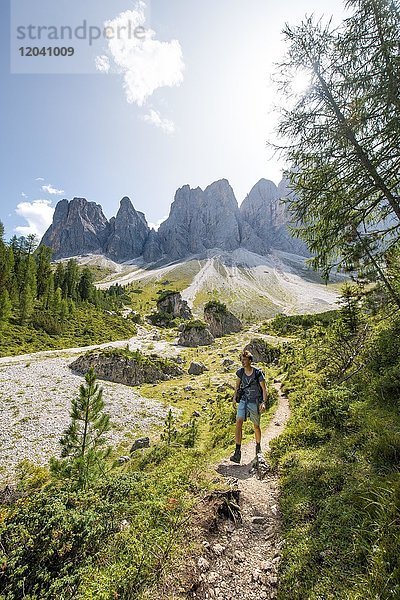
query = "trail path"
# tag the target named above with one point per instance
(241, 563)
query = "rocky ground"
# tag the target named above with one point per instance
(35, 400)
(240, 558)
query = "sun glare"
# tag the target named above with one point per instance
(300, 82)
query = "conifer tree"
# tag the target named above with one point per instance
(59, 276)
(342, 136)
(84, 454)
(170, 432)
(5, 307)
(71, 279)
(48, 298)
(85, 285)
(56, 304)
(64, 311)
(43, 271)
(28, 289)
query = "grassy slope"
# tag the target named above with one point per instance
(88, 325)
(340, 490)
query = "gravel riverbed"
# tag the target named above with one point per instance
(35, 403)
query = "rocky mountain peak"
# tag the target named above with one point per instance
(78, 227)
(199, 221)
(129, 233)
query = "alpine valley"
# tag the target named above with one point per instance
(208, 247)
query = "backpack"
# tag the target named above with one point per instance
(257, 375)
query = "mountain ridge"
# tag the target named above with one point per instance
(198, 220)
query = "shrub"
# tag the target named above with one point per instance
(194, 324)
(162, 319)
(216, 306)
(330, 408)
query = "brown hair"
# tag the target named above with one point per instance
(247, 354)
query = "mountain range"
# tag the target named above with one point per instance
(199, 220)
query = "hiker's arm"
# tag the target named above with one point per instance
(263, 404)
(236, 391)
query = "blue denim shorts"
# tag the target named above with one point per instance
(248, 409)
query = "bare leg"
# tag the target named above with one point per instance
(257, 433)
(238, 433)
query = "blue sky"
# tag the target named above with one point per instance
(193, 107)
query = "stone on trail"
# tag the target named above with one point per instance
(203, 564)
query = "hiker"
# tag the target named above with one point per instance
(250, 397)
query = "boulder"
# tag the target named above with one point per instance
(197, 368)
(121, 366)
(220, 320)
(143, 442)
(171, 303)
(195, 333)
(262, 351)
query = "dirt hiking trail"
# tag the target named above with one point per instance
(241, 558)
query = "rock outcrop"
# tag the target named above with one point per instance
(262, 351)
(266, 219)
(220, 320)
(122, 366)
(78, 227)
(172, 304)
(152, 250)
(195, 333)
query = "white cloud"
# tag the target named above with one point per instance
(102, 63)
(38, 214)
(155, 118)
(39, 179)
(51, 190)
(24, 195)
(145, 63)
(157, 224)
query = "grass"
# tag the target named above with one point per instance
(339, 462)
(87, 326)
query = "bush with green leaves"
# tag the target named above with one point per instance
(116, 538)
(216, 306)
(339, 463)
(162, 319)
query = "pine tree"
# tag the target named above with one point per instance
(85, 285)
(349, 302)
(5, 308)
(43, 271)
(342, 136)
(28, 288)
(83, 455)
(64, 311)
(56, 305)
(71, 280)
(170, 432)
(48, 298)
(59, 276)
(27, 304)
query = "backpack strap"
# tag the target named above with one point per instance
(240, 373)
(257, 374)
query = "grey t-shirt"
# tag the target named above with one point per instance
(251, 389)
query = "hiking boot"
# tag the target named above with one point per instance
(258, 449)
(236, 456)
